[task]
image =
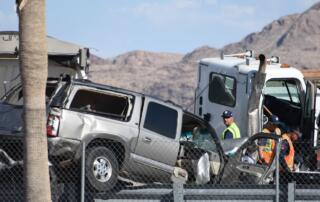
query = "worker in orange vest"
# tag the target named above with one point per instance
(267, 151)
(267, 146)
(287, 153)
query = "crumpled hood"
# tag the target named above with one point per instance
(11, 120)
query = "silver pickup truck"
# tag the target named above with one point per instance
(124, 133)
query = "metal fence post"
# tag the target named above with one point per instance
(277, 171)
(177, 191)
(83, 159)
(291, 191)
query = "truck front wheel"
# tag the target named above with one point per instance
(102, 168)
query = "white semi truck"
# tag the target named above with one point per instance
(252, 88)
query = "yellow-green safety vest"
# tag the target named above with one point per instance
(233, 128)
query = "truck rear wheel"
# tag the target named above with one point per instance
(102, 168)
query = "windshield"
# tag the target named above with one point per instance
(201, 137)
(197, 131)
(204, 140)
(283, 89)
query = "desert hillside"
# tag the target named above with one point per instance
(295, 38)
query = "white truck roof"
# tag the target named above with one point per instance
(273, 70)
(9, 41)
(63, 58)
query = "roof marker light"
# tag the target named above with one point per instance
(284, 65)
(274, 59)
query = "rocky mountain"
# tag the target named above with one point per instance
(202, 52)
(267, 39)
(295, 38)
(144, 58)
(160, 75)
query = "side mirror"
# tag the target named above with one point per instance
(84, 55)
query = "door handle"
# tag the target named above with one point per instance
(245, 167)
(147, 139)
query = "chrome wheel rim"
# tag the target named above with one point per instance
(102, 169)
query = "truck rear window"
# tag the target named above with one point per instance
(222, 89)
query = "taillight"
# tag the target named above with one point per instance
(53, 126)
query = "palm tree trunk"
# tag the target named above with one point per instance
(34, 70)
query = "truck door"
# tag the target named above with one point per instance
(158, 141)
(308, 123)
(253, 162)
(221, 92)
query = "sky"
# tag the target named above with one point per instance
(114, 27)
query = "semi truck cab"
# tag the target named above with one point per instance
(236, 83)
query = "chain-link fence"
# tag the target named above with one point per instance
(65, 176)
(11, 179)
(166, 171)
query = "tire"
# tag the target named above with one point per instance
(102, 169)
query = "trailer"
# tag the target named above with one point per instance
(63, 58)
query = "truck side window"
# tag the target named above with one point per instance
(109, 105)
(222, 89)
(161, 119)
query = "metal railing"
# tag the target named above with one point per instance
(70, 183)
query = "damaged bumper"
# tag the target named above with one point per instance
(7, 162)
(63, 149)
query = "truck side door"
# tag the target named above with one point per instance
(219, 95)
(253, 162)
(308, 124)
(158, 141)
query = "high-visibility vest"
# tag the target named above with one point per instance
(233, 128)
(266, 152)
(290, 157)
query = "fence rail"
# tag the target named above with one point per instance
(72, 186)
(178, 192)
